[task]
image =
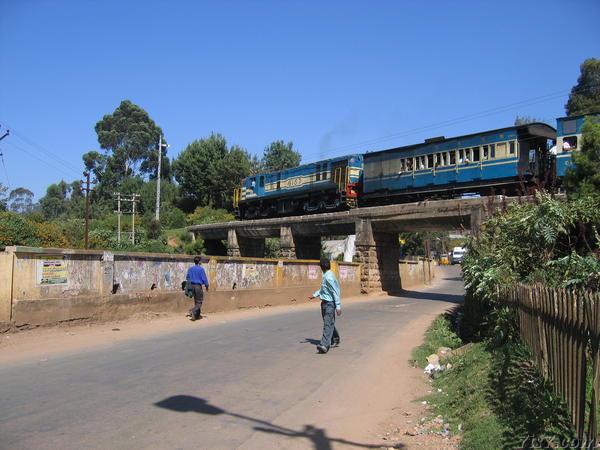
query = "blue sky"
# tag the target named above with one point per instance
(333, 77)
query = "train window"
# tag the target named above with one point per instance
(453, 158)
(501, 150)
(438, 159)
(570, 126)
(461, 156)
(318, 172)
(492, 151)
(486, 153)
(444, 159)
(262, 181)
(430, 161)
(511, 148)
(402, 166)
(278, 180)
(324, 174)
(475, 153)
(569, 143)
(422, 162)
(409, 164)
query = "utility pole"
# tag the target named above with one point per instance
(133, 200)
(87, 206)
(158, 176)
(118, 211)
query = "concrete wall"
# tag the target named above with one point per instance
(45, 286)
(417, 273)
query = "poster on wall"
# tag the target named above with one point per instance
(249, 271)
(52, 270)
(313, 272)
(343, 272)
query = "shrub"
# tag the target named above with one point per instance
(15, 230)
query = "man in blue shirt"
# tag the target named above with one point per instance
(196, 277)
(330, 306)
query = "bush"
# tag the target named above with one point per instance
(50, 235)
(15, 230)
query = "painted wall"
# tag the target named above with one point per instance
(417, 273)
(44, 286)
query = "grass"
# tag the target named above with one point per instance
(496, 395)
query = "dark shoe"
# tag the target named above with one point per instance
(192, 318)
(322, 349)
(189, 314)
(335, 342)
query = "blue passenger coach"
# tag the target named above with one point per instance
(322, 186)
(569, 132)
(496, 160)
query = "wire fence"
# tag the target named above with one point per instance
(562, 329)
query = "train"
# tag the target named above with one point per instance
(501, 161)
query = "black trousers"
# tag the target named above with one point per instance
(198, 299)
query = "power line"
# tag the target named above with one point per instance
(69, 174)
(465, 118)
(44, 150)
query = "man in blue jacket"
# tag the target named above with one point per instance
(196, 276)
(330, 307)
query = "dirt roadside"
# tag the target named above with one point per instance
(381, 411)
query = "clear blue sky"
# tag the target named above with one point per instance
(333, 77)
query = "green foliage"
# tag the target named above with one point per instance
(583, 178)
(3, 198)
(208, 171)
(278, 156)
(16, 230)
(272, 248)
(131, 137)
(173, 218)
(439, 334)
(585, 95)
(20, 201)
(552, 242)
(50, 235)
(55, 202)
(206, 214)
(497, 396)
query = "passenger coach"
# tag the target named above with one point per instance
(497, 160)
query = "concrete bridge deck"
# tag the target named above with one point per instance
(376, 229)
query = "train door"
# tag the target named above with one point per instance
(339, 171)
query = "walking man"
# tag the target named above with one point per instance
(196, 276)
(330, 307)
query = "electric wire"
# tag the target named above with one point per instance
(5, 171)
(41, 149)
(59, 169)
(455, 121)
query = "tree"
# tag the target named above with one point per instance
(207, 171)
(132, 138)
(584, 178)
(279, 156)
(3, 199)
(16, 230)
(585, 95)
(20, 201)
(54, 203)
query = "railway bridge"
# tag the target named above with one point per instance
(376, 229)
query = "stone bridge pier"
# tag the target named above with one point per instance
(378, 252)
(295, 245)
(239, 245)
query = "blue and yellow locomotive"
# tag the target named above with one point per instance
(502, 161)
(317, 187)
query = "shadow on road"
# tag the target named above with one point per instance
(310, 341)
(439, 297)
(317, 436)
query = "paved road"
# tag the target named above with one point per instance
(210, 387)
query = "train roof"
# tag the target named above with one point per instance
(535, 128)
(335, 158)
